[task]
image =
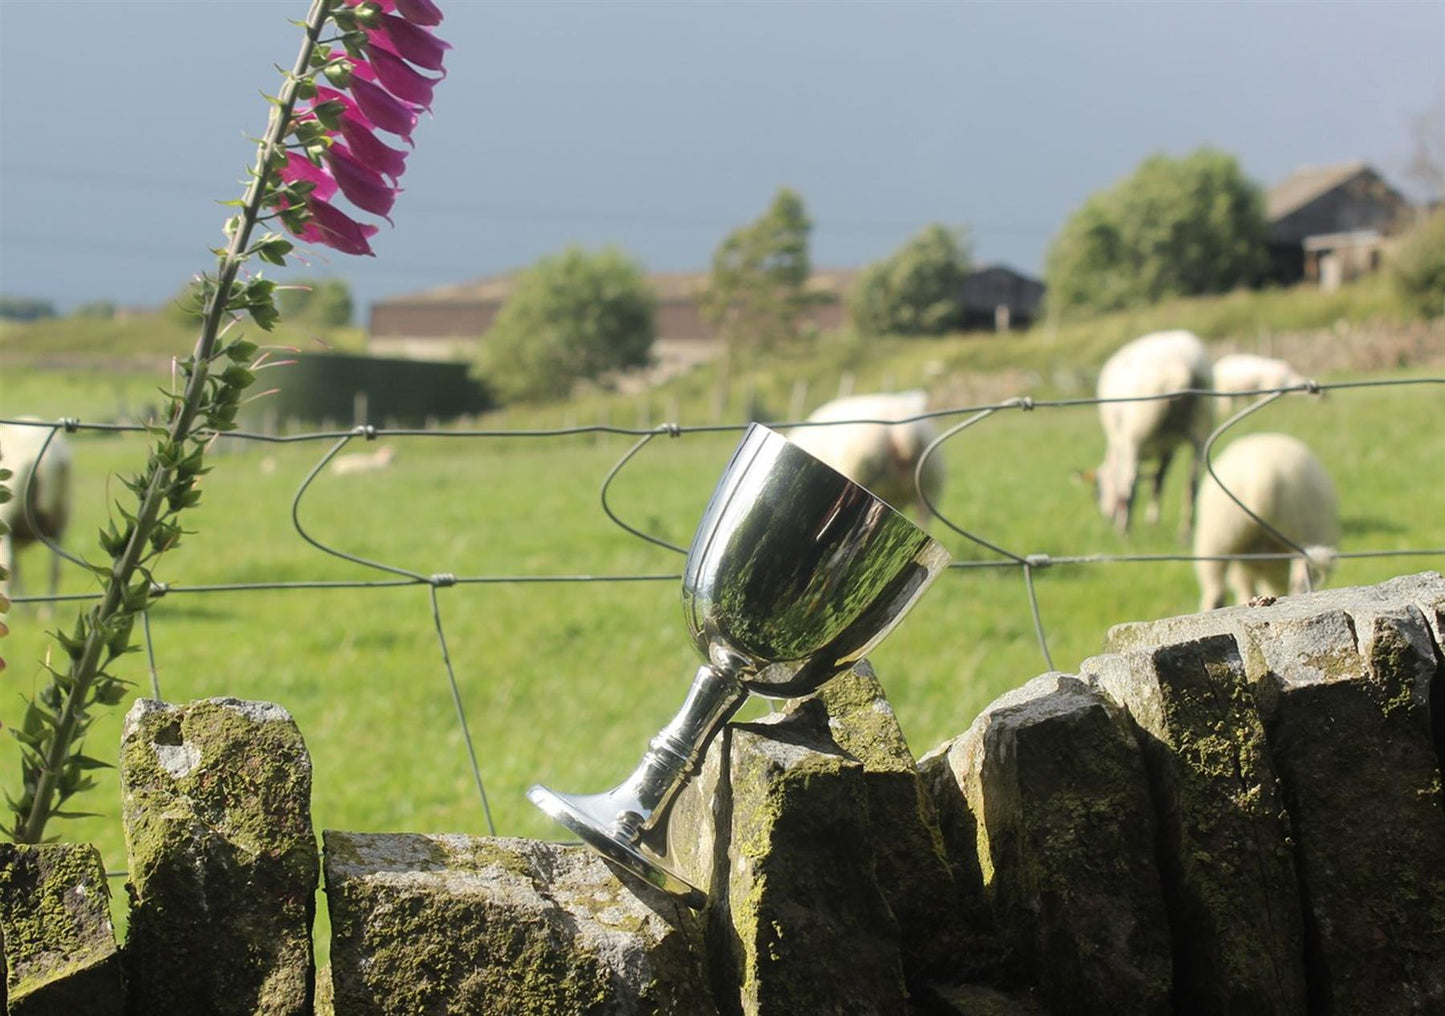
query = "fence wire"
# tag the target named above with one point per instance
(1026, 562)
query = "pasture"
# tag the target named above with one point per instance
(564, 682)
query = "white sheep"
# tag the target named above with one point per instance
(1278, 478)
(42, 482)
(363, 462)
(1245, 372)
(879, 456)
(1151, 431)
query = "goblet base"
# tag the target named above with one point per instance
(593, 817)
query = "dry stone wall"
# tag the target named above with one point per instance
(1238, 811)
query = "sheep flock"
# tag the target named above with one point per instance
(1153, 400)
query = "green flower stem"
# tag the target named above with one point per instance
(83, 670)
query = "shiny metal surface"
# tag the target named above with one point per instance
(795, 573)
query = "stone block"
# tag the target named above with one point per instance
(1066, 843)
(980, 951)
(1226, 857)
(60, 951)
(912, 865)
(488, 926)
(797, 922)
(1346, 704)
(1345, 681)
(216, 799)
(1425, 591)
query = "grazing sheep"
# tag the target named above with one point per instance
(879, 456)
(43, 483)
(1245, 372)
(1138, 432)
(363, 462)
(1278, 478)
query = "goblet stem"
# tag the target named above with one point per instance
(674, 752)
(616, 822)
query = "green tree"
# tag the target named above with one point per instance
(760, 274)
(21, 308)
(572, 316)
(317, 301)
(1418, 266)
(916, 291)
(1175, 227)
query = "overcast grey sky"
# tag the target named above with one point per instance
(659, 126)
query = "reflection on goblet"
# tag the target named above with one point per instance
(794, 574)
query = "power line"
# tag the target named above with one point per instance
(514, 211)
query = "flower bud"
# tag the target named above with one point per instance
(338, 72)
(329, 113)
(367, 14)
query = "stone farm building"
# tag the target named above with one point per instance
(446, 323)
(1330, 224)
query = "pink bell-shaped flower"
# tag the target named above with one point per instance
(410, 42)
(397, 77)
(369, 151)
(336, 229)
(381, 108)
(298, 167)
(363, 187)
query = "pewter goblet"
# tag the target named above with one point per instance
(794, 574)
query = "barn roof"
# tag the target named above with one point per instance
(492, 288)
(1306, 184)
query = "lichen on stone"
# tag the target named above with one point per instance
(216, 804)
(60, 949)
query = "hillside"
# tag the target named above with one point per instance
(100, 369)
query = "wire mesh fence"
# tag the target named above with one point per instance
(950, 423)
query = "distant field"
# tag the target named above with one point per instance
(565, 682)
(140, 338)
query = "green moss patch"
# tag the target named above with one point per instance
(60, 949)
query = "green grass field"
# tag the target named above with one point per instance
(565, 682)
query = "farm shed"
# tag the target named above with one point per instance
(1329, 224)
(1000, 298)
(446, 323)
(436, 324)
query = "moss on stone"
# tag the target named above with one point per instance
(808, 927)
(60, 950)
(1363, 780)
(862, 722)
(216, 799)
(450, 923)
(911, 858)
